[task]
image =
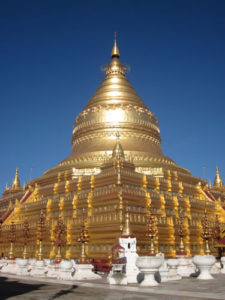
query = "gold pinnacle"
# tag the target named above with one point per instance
(115, 50)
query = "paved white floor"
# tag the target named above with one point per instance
(42, 288)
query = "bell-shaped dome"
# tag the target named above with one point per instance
(116, 108)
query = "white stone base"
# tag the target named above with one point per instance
(216, 268)
(65, 274)
(205, 274)
(84, 271)
(131, 276)
(3, 264)
(149, 279)
(173, 265)
(117, 278)
(131, 269)
(39, 269)
(173, 275)
(223, 271)
(149, 265)
(185, 266)
(38, 272)
(164, 274)
(22, 270)
(65, 270)
(32, 262)
(204, 263)
(22, 266)
(9, 267)
(53, 270)
(223, 264)
(163, 270)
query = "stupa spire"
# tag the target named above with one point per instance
(218, 182)
(118, 152)
(126, 228)
(115, 49)
(6, 187)
(217, 171)
(16, 182)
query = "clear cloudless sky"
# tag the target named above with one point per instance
(51, 53)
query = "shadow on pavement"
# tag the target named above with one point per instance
(64, 292)
(15, 288)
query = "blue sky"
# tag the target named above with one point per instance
(50, 59)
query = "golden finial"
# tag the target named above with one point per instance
(118, 149)
(217, 171)
(6, 186)
(218, 182)
(126, 228)
(16, 182)
(181, 232)
(10, 205)
(117, 135)
(210, 185)
(115, 50)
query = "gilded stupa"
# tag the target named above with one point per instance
(116, 107)
(116, 165)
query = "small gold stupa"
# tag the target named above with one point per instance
(116, 166)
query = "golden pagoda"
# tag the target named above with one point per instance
(116, 166)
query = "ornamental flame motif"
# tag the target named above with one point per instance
(83, 239)
(12, 232)
(181, 230)
(216, 230)
(26, 232)
(151, 225)
(151, 231)
(181, 233)
(41, 227)
(60, 232)
(83, 236)
(206, 232)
